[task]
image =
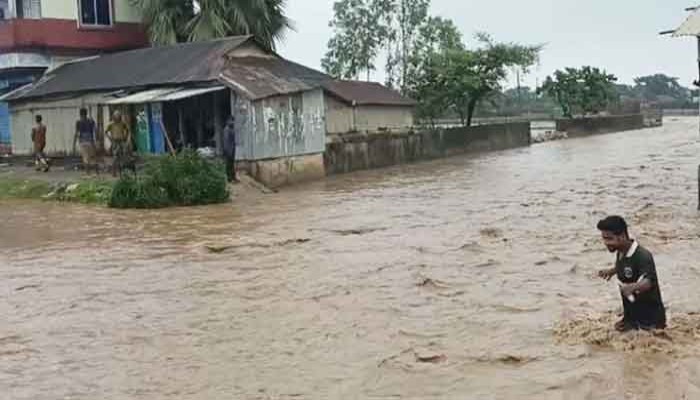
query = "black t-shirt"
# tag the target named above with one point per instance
(648, 308)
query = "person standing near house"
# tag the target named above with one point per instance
(85, 135)
(230, 149)
(39, 141)
(119, 135)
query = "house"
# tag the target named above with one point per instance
(36, 35)
(354, 106)
(180, 96)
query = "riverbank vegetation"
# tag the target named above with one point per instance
(186, 179)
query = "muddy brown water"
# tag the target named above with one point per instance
(464, 278)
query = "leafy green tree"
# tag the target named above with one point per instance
(405, 21)
(471, 76)
(173, 21)
(654, 86)
(359, 31)
(586, 90)
(401, 29)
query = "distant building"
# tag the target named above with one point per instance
(355, 106)
(37, 35)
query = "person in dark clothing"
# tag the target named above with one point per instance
(230, 149)
(636, 271)
(85, 135)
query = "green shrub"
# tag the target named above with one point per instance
(186, 179)
(130, 192)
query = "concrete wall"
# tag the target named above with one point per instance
(282, 126)
(347, 153)
(287, 171)
(342, 118)
(579, 127)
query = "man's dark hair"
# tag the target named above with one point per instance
(614, 224)
(38, 118)
(83, 112)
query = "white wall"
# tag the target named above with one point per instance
(339, 117)
(373, 118)
(342, 118)
(59, 118)
(123, 10)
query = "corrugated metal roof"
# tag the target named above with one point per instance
(146, 96)
(259, 78)
(186, 93)
(165, 94)
(262, 77)
(367, 93)
(691, 26)
(168, 65)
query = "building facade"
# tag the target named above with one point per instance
(36, 35)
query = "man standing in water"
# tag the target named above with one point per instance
(636, 271)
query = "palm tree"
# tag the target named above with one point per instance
(173, 21)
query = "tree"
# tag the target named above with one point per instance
(654, 86)
(459, 79)
(405, 21)
(586, 90)
(402, 29)
(425, 82)
(173, 21)
(358, 34)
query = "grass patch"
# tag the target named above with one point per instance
(23, 189)
(186, 179)
(88, 192)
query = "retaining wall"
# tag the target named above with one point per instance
(354, 152)
(578, 127)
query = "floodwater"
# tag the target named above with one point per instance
(464, 278)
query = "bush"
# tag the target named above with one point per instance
(130, 192)
(186, 179)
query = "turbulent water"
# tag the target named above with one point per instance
(465, 278)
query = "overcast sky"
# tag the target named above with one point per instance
(618, 35)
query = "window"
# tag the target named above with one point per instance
(28, 8)
(96, 12)
(4, 9)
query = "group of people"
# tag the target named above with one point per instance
(121, 140)
(117, 132)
